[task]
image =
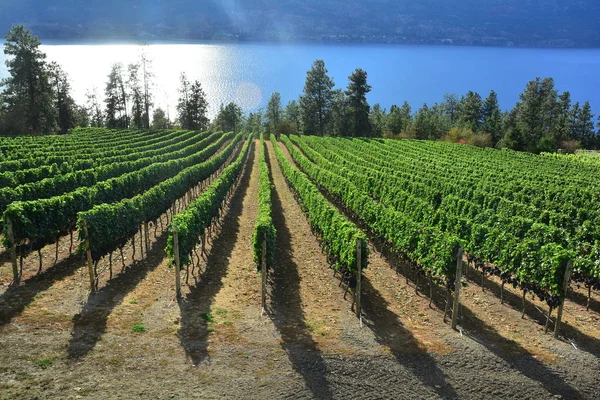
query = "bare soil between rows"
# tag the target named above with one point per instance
(58, 341)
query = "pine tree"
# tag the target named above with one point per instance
(274, 113)
(192, 105)
(340, 120)
(471, 111)
(378, 119)
(451, 107)
(583, 126)
(94, 109)
(229, 118)
(65, 105)
(358, 107)
(563, 126)
(315, 103)
(115, 99)
(492, 117)
(292, 116)
(136, 95)
(147, 76)
(536, 116)
(28, 104)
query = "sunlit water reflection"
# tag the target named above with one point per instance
(248, 73)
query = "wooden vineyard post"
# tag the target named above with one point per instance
(147, 238)
(457, 285)
(358, 277)
(263, 267)
(563, 295)
(88, 252)
(177, 262)
(13, 252)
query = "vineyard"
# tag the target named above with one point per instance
(237, 256)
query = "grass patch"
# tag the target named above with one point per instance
(139, 328)
(45, 362)
(133, 301)
(227, 323)
(221, 312)
(210, 329)
(208, 317)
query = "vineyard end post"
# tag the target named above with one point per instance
(358, 276)
(563, 295)
(264, 274)
(177, 262)
(88, 252)
(13, 251)
(457, 286)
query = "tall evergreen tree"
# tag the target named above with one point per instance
(471, 111)
(192, 105)
(292, 116)
(315, 103)
(147, 76)
(451, 107)
(583, 126)
(27, 104)
(65, 105)
(136, 95)
(274, 114)
(254, 123)
(378, 119)
(229, 118)
(394, 123)
(94, 108)
(358, 107)
(563, 127)
(536, 116)
(492, 117)
(339, 122)
(115, 99)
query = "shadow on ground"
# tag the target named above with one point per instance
(285, 310)
(90, 324)
(16, 298)
(195, 307)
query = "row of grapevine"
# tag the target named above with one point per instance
(79, 162)
(73, 162)
(189, 227)
(435, 250)
(109, 226)
(265, 234)
(566, 211)
(75, 147)
(76, 136)
(264, 229)
(535, 262)
(36, 223)
(68, 182)
(339, 236)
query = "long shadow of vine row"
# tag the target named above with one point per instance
(196, 305)
(584, 342)
(16, 298)
(90, 324)
(286, 311)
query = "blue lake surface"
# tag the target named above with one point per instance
(248, 73)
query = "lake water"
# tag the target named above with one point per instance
(248, 73)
